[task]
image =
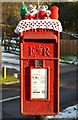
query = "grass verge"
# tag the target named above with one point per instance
(9, 80)
(72, 58)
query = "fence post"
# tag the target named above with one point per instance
(4, 72)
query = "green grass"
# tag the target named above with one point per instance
(9, 79)
(72, 58)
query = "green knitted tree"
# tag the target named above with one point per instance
(23, 9)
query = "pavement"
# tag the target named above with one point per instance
(66, 67)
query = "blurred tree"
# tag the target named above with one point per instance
(68, 15)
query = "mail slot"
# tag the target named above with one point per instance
(39, 66)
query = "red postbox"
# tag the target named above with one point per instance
(39, 66)
(39, 72)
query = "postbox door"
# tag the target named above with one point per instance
(40, 76)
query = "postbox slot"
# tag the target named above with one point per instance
(41, 41)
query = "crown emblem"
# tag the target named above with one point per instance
(39, 49)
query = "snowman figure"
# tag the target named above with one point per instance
(32, 12)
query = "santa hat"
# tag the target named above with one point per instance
(23, 9)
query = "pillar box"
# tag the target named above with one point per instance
(39, 66)
(39, 63)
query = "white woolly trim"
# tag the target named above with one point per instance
(33, 13)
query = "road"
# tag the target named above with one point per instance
(68, 93)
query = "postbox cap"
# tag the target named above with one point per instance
(23, 9)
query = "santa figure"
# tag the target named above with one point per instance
(42, 12)
(32, 12)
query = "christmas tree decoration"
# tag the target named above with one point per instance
(23, 9)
